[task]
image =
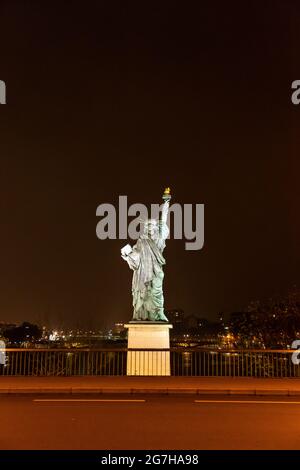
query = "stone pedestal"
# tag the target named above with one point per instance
(145, 336)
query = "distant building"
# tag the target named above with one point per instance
(192, 322)
(119, 331)
(175, 316)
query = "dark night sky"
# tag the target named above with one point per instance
(111, 98)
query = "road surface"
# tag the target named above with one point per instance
(148, 422)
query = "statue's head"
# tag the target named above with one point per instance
(151, 228)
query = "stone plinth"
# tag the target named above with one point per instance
(145, 336)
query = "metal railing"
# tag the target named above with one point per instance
(173, 361)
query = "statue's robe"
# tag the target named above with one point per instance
(147, 262)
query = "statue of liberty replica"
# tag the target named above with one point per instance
(147, 261)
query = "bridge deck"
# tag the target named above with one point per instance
(165, 385)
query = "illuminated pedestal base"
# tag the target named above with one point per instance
(148, 335)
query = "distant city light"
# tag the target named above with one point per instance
(53, 336)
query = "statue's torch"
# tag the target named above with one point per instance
(167, 195)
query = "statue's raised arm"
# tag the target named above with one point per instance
(163, 225)
(165, 208)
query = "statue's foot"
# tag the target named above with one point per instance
(164, 318)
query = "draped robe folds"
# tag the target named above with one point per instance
(146, 260)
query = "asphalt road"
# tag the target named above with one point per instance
(154, 422)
